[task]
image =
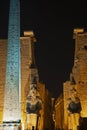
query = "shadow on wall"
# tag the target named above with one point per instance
(83, 125)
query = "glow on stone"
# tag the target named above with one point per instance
(12, 85)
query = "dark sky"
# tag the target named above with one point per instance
(53, 23)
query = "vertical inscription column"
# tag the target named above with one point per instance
(12, 86)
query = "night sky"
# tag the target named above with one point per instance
(53, 23)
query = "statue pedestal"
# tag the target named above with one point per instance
(31, 121)
(10, 126)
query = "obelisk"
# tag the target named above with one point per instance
(12, 85)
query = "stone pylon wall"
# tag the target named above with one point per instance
(80, 69)
(24, 50)
(24, 74)
(80, 58)
(3, 48)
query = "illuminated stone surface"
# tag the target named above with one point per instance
(31, 121)
(12, 86)
(24, 78)
(80, 69)
(3, 47)
(9, 127)
(79, 73)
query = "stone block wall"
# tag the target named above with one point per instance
(3, 48)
